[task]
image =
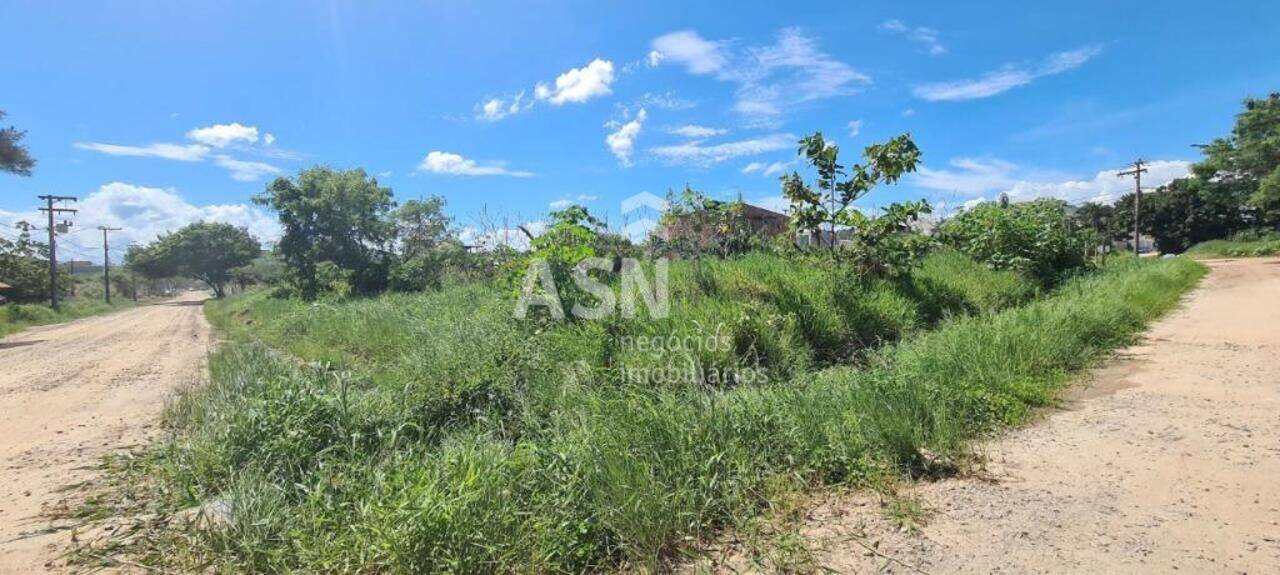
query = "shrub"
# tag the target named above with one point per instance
(1036, 238)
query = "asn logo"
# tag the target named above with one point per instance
(540, 290)
(645, 207)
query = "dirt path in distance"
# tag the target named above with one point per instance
(71, 393)
(1167, 459)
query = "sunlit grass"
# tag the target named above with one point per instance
(435, 433)
(17, 317)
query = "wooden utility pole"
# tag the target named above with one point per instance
(106, 263)
(1137, 171)
(53, 245)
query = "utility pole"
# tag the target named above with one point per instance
(53, 245)
(1137, 171)
(106, 263)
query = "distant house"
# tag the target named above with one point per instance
(762, 222)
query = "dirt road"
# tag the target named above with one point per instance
(1167, 459)
(73, 392)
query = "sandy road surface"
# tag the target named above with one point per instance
(73, 392)
(1167, 460)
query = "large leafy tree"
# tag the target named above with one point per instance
(422, 226)
(1249, 158)
(208, 252)
(1185, 212)
(427, 245)
(14, 157)
(829, 202)
(337, 229)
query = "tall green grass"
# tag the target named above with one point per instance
(1243, 247)
(433, 433)
(17, 317)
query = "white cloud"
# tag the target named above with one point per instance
(622, 141)
(770, 79)
(184, 153)
(574, 86)
(981, 178)
(698, 153)
(654, 58)
(575, 200)
(767, 169)
(696, 132)
(143, 213)
(446, 163)
(925, 37)
(665, 101)
(223, 135)
(496, 109)
(209, 138)
(512, 237)
(579, 84)
(1006, 77)
(970, 177)
(685, 47)
(855, 128)
(245, 171)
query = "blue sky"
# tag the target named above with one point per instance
(161, 113)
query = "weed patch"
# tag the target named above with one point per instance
(433, 433)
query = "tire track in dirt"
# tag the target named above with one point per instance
(72, 393)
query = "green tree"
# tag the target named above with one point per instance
(335, 216)
(1185, 212)
(570, 238)
(830, 201)
(1250, 157)
(208, 252)
(14, 157)
(427, 245)
(886, 245)
(1100, 218)
(24, 265)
